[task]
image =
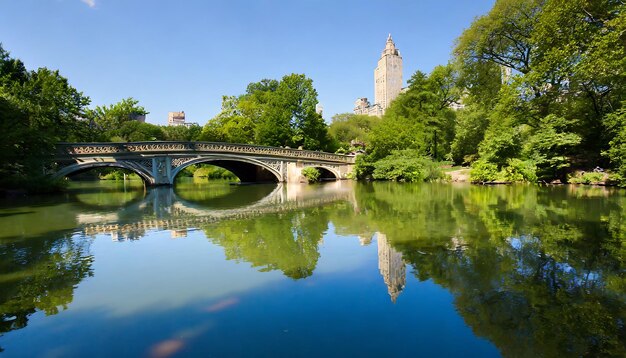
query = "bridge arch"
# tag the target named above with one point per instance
(230, 163)
(132, 166)
(326, 171)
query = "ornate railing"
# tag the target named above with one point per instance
(65, 150)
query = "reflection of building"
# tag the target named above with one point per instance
(387, 82)
(365, 240)
(391, 267)
(176, 234)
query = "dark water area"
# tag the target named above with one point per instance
(332, 270)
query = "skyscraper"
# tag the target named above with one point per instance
(387, 82)
(388, 75)
(391, 267)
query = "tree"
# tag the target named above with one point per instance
(567, 60)
(274, 113)
(348, 127)
(182, 133)
(37, 110)
(114, 116)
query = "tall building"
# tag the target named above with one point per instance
(176, 118)
(391, 267)
(388, 75)
(387, 82)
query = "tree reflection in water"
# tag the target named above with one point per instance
(40, 274)
(537, 271)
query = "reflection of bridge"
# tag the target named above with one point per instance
(158, 163)
(173, 213)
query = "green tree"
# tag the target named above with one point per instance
(114, 116)
(348, 127)
(182, 133)
(37, 110)
(274, 113)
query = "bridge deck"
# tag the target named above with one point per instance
(74, 150)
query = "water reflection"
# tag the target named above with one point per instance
(537, 271)
(391, 266)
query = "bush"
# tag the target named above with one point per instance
(363, 167)
(483, 172)
(587, 178)
(518, 170)
(406, 166)
(213, 172)
(118, 174)
(311, 174)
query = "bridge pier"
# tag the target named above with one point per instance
(162, 171)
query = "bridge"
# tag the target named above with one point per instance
(158, 162)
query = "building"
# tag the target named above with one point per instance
(178, 119)
(319, 109)
(387, 82)
(138, 117)
(391, 267)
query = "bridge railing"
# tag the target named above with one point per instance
(65, 150)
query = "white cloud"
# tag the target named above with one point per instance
(90, 3)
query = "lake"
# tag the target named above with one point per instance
(330, 270)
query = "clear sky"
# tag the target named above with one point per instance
(186, 54)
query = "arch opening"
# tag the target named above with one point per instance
(98, 171)
(326, 174)
(247, 171)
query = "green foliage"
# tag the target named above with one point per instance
(515, 170)
(274, 113)
(518, 170)
(483, 172)
(311, 174)
(616, 125)
(567, 83)
(348, 127)
(37, 110)
(587, 178)
(406, 166)
(207, 171)
(471, 125)
(112, 117)
(182, 133)
(551, 145)
(501, 143)
(396, 132)
(134, 131)
(118, 174)
(363, 167)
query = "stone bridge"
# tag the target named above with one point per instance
(158, 163)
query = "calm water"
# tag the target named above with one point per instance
(333, 270)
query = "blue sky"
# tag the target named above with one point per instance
(186, 54)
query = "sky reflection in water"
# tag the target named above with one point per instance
(330, 270)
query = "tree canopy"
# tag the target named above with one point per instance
(274, 113)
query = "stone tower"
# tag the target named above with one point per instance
(387, 82)
(388, 75)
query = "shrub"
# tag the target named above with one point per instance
(482, 172)
(311, 174)
(406, 166)
(363, 167)
(518, 170)
(586, 178)
(213, 172)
